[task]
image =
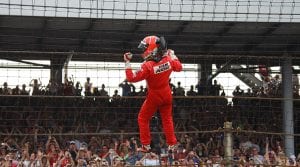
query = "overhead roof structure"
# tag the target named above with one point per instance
(28, 37)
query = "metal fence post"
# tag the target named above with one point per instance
(228, 144)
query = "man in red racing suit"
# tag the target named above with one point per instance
(159, 96)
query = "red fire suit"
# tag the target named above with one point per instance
(159, 96)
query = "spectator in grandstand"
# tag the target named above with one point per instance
(142, 91)
(82, 163)
(270, 158)
(172, 86)
(201, 150)
(262, 92)
(191, 92)
(237, 92)
(150, 159)
(132, 91)
(35, 159)
(188, 142)
(216, 158)
(211, 145)
(16, 90)
(52, 150)
(52, 88)
(112, 153)
(88, 87)
(179, 91)
(3, 162)
(139, 100)
(26, 159)
(156, 69)
(132, 157)
(6, 90)
(179, 153)
(215, 89)
(44, 161)
(23, 90)
(94, 145)
(138, 163)
(296, 85)
(118, 162)
(104, 151)
(10, 144)
(78, 89)
(236, 154)
(223, 93)
(66, 160)
(256, 157)
(298, 160)
(291, 161)
(36, 84)
(191, 159)
(201, 87)
(282, 159)
(73, 149)
(104, 97)
(126, 88)
(3, 150)
(116, 99)
(95, 91)
(164, 163)
(69, 89)
(274, 86)
(102, 91)
(82, 155)
(12, 158)
(249, 93)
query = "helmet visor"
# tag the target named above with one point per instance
(143, 46)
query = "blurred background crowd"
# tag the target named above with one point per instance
(109, 150)
(73, 125)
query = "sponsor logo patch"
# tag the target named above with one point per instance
(162, 68)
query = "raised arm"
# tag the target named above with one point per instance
(176, 64)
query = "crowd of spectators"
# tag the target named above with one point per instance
(271, 88)
(200, 101)
(97, 112)
(204, 150)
